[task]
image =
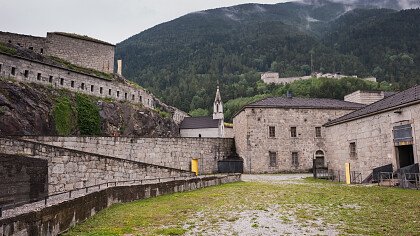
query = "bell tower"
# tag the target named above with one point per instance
(218, 106)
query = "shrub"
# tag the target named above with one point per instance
(88, 118)
(63, 116)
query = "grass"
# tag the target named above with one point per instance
(7, 50)
(358, 210)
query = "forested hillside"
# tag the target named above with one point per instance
(183, 60)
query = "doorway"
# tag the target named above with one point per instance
(319, 159)
(405, 156)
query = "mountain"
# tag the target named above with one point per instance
(182, 60)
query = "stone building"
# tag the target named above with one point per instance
(385, 132)
(206, 126)
(285, 134)
(366, 97)
(77, 49)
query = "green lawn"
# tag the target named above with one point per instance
(302, 205)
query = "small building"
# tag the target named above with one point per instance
(380, 134)
(285, 134)
(367, 97)
(207, 126)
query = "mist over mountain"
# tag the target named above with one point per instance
(182, 60)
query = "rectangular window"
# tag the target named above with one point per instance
(295, 159)
(13, 71)
(38, 76)
(61, 81)
(100, 90)
(125, 96)
(72, 84)
(42, 50)
(318, 133)
(353, 149)
(92, 88)
(273, 158)
(293, 133)
(109, 92)
(272, 131)
(50, 79)
(26, 74)
(31, 48)
(141, 99)
(82, 86)
(118, 94)
(132, 97)
(1, 66)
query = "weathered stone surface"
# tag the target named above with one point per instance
(374, 141)
(253, 143)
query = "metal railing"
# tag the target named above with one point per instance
(79, 192)
(403, 180)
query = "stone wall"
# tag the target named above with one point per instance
(365, 97)
(253, 143)
(71, 169)
(37, 44)
(205, 132)
(81, 51)
(59, 218)
(374, 140)
(170, 152)
(22, 179)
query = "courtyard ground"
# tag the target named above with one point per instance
(266, 205)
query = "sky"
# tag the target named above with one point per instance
(108, 20)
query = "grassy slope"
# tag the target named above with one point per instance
(378, 211)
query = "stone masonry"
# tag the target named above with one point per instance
(71, 169)
(373, 138)
(254, 144)
(170, 152)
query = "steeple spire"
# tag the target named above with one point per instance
(218, 106)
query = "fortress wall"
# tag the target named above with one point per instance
(56, 219)
(71, 169)
(170, 152)
(37, 44)
(58, 77)
(82, 52)
(62, 78)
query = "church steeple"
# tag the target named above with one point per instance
(218, 106)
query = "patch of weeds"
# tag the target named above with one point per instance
(88, 117)
(254, 225)
(171, 231)
(64, 113)
(8, 50)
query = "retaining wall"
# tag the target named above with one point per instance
(72, 169)
(59, 218)
(170, 152)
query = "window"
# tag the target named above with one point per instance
(118, 94)
(141, 99)
(50, 79)
(273, 158)
(295, 159)
(132, 97)
(61, 81)
(38, 76)
(293, 133)
(272, 131)
(72, 84)
(13, 71)
(31, 48)
(42, 50)
(26, 74)
(1, 66)
(125, 96)
(318, 133)
(353, 149)
(109, 92)
(100, 90)
(92, 88)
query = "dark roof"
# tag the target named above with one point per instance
(402, 99)
(294, 102)
(199, 123)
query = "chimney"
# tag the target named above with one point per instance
(289, 94)
(119, 67)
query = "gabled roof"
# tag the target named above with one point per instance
(199, 123)
(405, 98)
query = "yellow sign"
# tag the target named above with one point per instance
(348, 180)
(194, 166)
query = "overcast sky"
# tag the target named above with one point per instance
(109, 20)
